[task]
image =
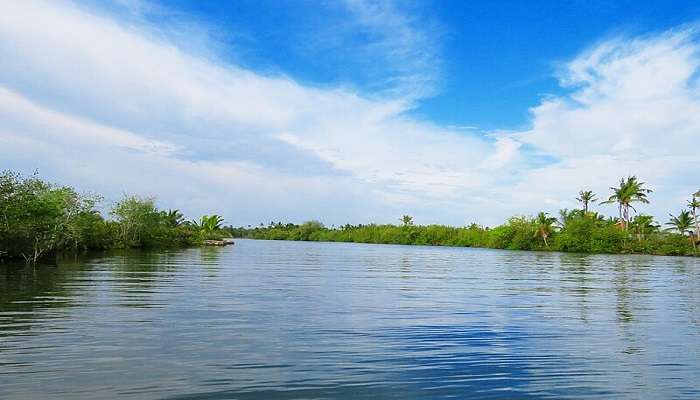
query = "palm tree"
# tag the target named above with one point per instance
(681, 223)
(544, 224)
(209, 223)
(630, 190)
(174, 218)
(643, 225)
(693, 205)
(585, 197)
(406, 220)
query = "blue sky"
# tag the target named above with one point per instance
(492, 60)
(353, 111)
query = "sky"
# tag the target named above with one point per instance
(354, 111)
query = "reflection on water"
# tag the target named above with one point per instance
(294, 320)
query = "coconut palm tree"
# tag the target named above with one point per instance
(566, 215)
(174, 218)
(406, 220)
(694, 205)
(630, 191)
(586, 197)
(544, 225)
(682, 223)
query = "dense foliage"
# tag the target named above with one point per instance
(38, 219)
(580, 231)
(581, 234)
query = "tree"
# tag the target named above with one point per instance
(136, 217)
(566, 216)
(210, 223)
(630, 191)
(681, 223)
(174, 217)
(406, 220)
(308, 228)
(38, 218)
(693, 205)
(643, 225)
(586, 197)
(544, 226)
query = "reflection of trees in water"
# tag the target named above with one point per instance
(137, 275)
(133, 277)
(26, 291)
(621, 283)
(688, 284)
(629, 283)
(210, 259)
(405, 270)
(210, 255)
(577, 269)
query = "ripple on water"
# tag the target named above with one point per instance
(291, 320)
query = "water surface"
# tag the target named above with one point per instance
(300, 320)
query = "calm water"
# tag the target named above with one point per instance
(291, 320)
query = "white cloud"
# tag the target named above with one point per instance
(506, 151)
(87, 82)
(634, 108)
(104, 105)
(407, 44)
(19, 114)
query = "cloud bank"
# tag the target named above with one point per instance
(106, 106)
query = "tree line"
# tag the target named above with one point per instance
(580, 230)
(39, 219)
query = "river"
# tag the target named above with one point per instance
(306, 320)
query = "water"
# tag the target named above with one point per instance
(292, 320)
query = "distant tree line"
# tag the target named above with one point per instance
(579, 230)
(39, 220)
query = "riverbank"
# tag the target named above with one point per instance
(578, 234)
(40, 220)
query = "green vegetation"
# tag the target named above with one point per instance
(209, 227)
(629, 191)
(39, 220)
(544, 227)
(581, 231)
(586, 197)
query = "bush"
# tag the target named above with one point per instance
(517, 234)
(39, 219)
(582, 233)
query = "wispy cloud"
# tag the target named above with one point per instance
(394, 48)
(634, 108)
(332, 139)
(467, 127)
(409, 44)
(111, 107)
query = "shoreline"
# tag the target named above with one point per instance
(545, 251)
(600, 239)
